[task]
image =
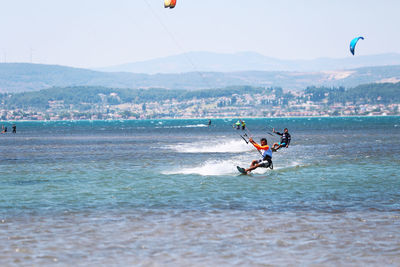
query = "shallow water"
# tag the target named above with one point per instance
(167, 192)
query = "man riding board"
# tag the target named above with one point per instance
(285, 139)
(265, 161)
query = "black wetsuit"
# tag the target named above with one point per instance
(285, 139)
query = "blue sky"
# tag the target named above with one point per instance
(96, 33)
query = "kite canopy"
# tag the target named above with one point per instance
(353, 43)
(169, 3)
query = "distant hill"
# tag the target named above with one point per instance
(22, 77)
(249, 61)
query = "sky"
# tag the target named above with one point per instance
(100, 33)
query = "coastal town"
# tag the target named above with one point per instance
(276, 104)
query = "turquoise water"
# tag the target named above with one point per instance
(167, 192)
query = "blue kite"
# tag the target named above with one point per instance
(353, 43)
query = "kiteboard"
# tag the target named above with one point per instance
(241, 170)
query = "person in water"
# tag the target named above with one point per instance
(237, 125)
(285, 139)
(266, 160)
(243, 125)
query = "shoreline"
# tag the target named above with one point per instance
(211, 118)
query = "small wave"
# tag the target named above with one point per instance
(230, 146)
(291, 165)
(184, 126)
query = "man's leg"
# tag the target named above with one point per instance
(281, 145)
(253, 167)
(253, 163)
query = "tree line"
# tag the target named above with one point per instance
(80, 95)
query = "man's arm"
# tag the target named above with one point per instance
(278, 133)
(254, 144)
(257, 145)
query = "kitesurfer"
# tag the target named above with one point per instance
(265, 151)
(243, 125)
(237, 124)
(285, 139)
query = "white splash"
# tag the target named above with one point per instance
(215, 168)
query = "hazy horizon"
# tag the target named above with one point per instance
(190, 52)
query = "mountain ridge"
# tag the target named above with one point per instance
(248, 61)
(23, 77)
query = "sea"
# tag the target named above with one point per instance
(167, 193)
